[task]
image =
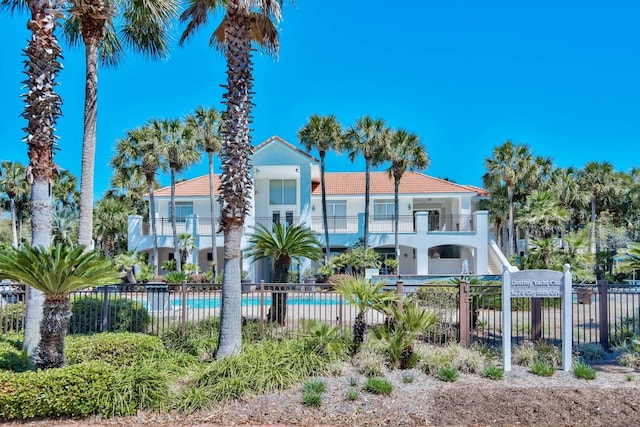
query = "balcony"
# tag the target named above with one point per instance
(336, 224)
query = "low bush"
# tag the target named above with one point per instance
(12, 357)
(630, 358)
(591, 351)
(544, 369)
(448, 374)
(118, 349)
(311, 398)
(378, 385)
(123, 314)
(353, 394)
(492, 372)
(72, 391)
(316, 386)
(407, 378)
(583, 371)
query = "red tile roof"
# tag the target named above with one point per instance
(192, 187)
(344, 183)
(347, 183)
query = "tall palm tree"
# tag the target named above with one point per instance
(56, 272)
(142, 152)
(65, 192)
(564, 183)
(367, 137)
(110, 224)
(508, 167)
(282, 245)
(406, 153)
(207, 126)
(322, 133)
(105, 27)
(598, 178)
(543, 214)
(245, 22)
(13, 184)
(180, 152)
(42, 109)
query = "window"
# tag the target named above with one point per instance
(282, 192)
(337, 214)
(183, 210)
(383, 209)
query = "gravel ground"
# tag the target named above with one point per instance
(521, 398)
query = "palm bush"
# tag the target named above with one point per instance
(56, 271)
(363, 295)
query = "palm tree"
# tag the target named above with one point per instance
(65, 192)
(207, 126)
(282, 245)
(406, 153)
(141, 153)
(105, 26)
(42, 109)
(180, 151)
(543, 214)
(13, 184)
(367, 137)
(64, 226)
(508, 166)
(364, 295)
(598, 179)
(110, 224)
(324, 134)
(245, 22)
(56, 272)
(187, 244)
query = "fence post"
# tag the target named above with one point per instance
(105, 309)
(536, 319)
(183, 311)
(603, 309)
(464, 311)
(261, 308)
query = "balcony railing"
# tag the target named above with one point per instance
(336, 224)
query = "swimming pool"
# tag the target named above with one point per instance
(249, 301)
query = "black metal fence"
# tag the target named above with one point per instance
(608, 314)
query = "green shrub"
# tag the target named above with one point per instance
(583, 371)
(378, 385)
(544, 369)
(198, 339)
(524, 355)
(316, 386)
(311, 398)
(12, 357)
(492, 372)
(12, 317)
(72, 391)
(448, 374)
(123, 315)
(353, 394)
(407, 377)
(548, 353)
(118, 349)
(591, 351)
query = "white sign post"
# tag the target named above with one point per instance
(538, 284)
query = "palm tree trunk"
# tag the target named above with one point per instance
(367, 179)
(592, 231)
(174, 231)
(154, 230)
(325, 220)
(396, 200)
(85, 223)
(230, 340)
(278, 311)
(235, 180)
(14, 228)
(510, 246)
(55, 321)
(212, 198)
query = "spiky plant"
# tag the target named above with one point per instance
(364, 295)
(56, 271)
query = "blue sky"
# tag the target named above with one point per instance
(465, 75)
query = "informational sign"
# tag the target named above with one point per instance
(537, 284)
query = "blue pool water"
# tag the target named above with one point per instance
(215, 302)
